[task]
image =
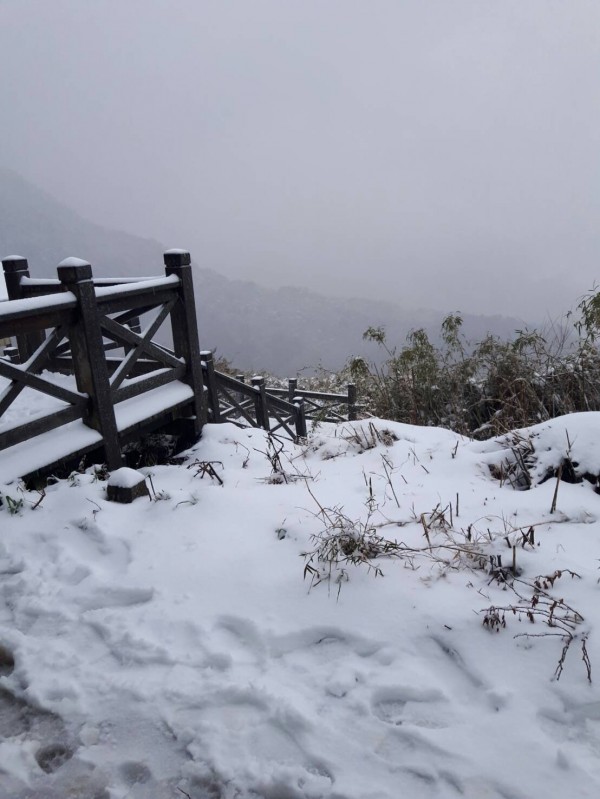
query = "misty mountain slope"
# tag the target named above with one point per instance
(257, 328)
(39, 227)
(288, 329)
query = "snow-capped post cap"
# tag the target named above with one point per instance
(14, 263)
(72, 270)
(71, 261)
(125, 484)
(177, 258)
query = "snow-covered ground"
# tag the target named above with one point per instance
(179, 647)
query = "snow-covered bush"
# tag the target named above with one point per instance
(489, 387)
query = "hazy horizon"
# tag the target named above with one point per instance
(430, 153)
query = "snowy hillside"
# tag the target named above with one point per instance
(195, 644)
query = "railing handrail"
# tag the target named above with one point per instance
(17, 309)
(147, 285)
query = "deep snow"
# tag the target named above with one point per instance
(174, 646)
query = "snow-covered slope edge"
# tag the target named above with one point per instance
(176, 645)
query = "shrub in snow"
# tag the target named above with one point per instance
(489, 387)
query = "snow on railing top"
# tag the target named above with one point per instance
(138, 286)
(40, 281)
(32, 304)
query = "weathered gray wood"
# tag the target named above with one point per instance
(91, 373)
(234, 384)
(64, 365)
(125, 336)
(321, 405)
(283, 422)
(142, 357)
(300, 417)
(238, 407)
(260, 402)
(351, 402)
(115, 492)
(150, 422)
(39, 287)
(324, 412)
(17, 373)
(133, 323)
(142, 300)
(185, 330)
(36, 362)
(225, 382)
(132, 356)
(211, 385)
(16, 268)
(142, 366)
(17, 435)
(147, 384)
(131, 319)
(279, 403)
(24, 321)
(325, 396)
(82, 315)
(62, 349)
(292, 388)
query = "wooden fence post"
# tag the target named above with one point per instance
(211, 385)
(292, 388)
(300, 417)
(185, 331)
(260, 402)
(89, 361)
(351, 402)
(16, 267)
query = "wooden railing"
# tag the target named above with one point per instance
(322, 406)
(90, 328)
(69, 325)
(257, 405)
(250, 404)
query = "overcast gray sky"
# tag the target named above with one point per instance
(438, 152)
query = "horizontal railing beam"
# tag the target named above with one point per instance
(37, 314)
(142, 302)
(145, 384)
(23, 432)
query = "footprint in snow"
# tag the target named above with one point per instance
(265, 738)
(7, 661)
(575, 721)
(114, 597)
(327, 647)
(411, 706)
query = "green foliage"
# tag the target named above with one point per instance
(488, 387)
(13, 506)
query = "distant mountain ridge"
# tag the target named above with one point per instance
(279, 330)
(42, 229)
